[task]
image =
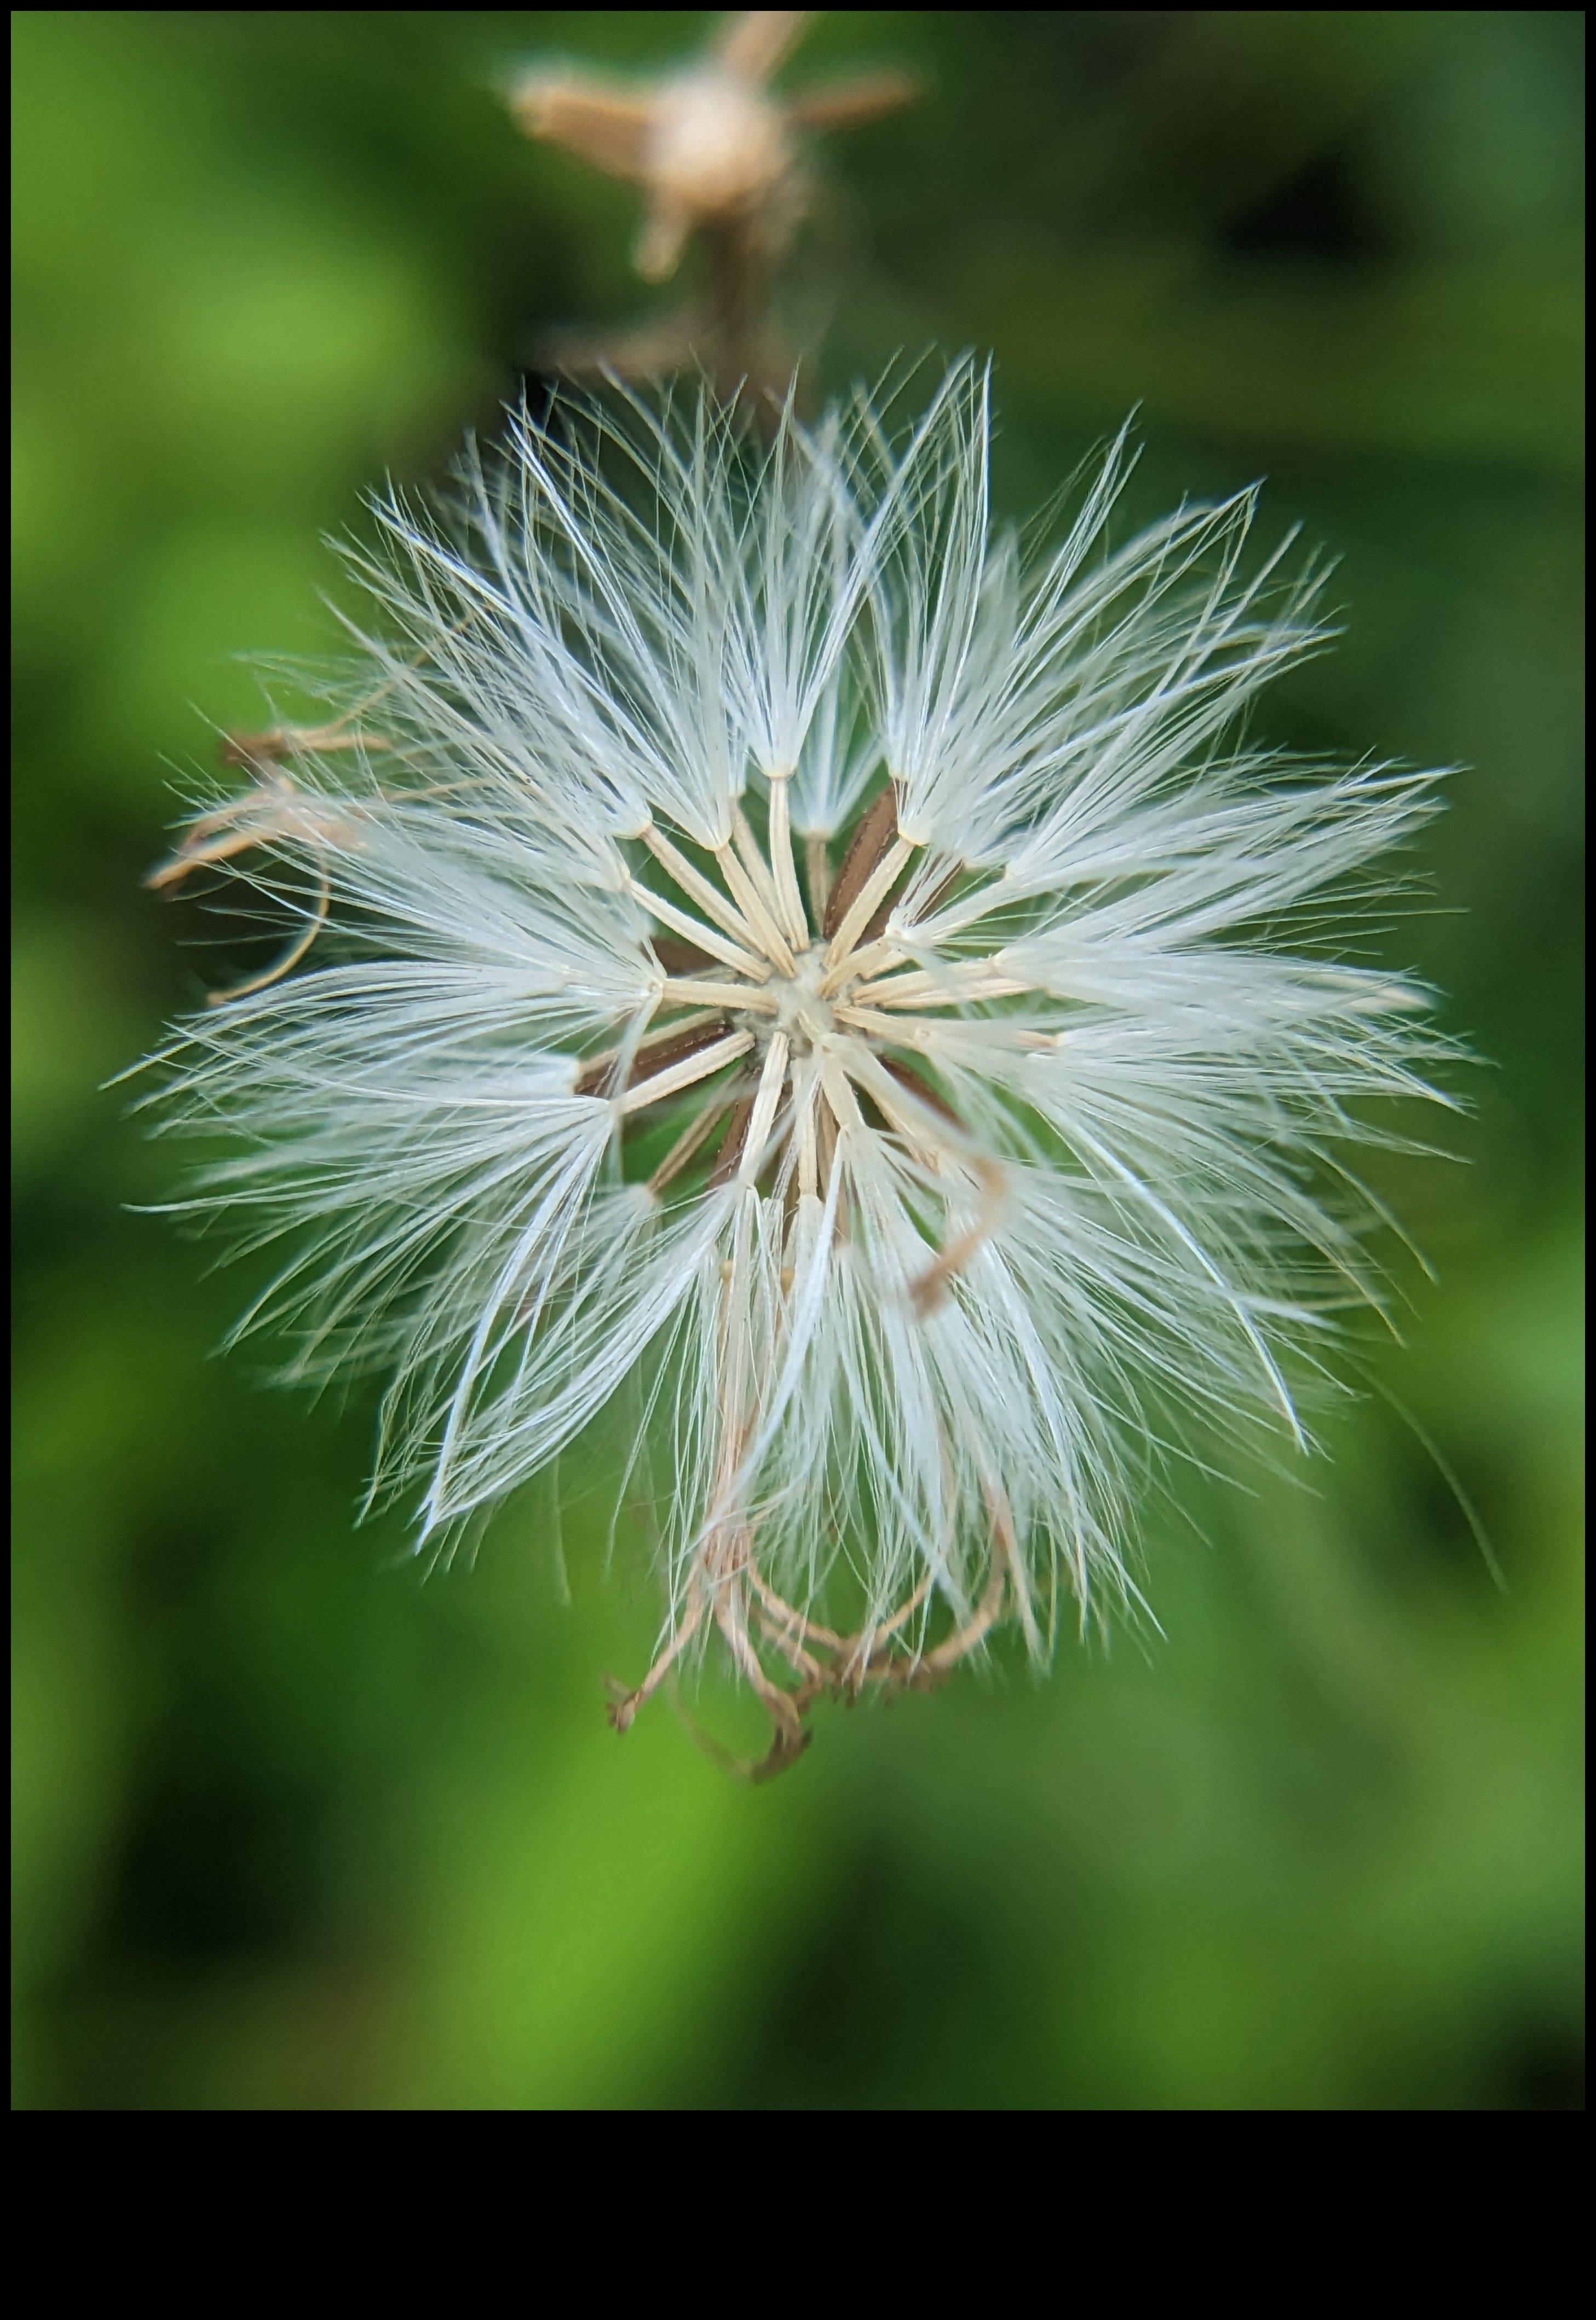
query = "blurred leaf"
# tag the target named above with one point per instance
(292, 1831)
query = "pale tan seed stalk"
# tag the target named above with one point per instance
(772, 1081)
(904, 1030)
(698, 888)
(840, 1097)
(690, 1140)
(808, 1151)
(817, 862)
(783, 869)
(956, 986)
(754, 862)
(874, 890)
(705, 937)
(874, 958)
(825, 1129)
(691, 990)
(676, 1029)
(766, 933)
(684, 1074)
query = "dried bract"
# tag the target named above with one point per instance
(716, 153)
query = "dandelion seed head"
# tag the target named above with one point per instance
(780, 945)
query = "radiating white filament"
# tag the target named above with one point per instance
(915, 1216)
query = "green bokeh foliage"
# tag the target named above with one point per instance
(295, 1830)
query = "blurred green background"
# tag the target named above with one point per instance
(294, 1829)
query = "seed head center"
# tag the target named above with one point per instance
(801, 1012)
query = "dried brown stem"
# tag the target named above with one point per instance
(848, 105)
(871, 842)
(679, 957)
(928, 1292)
(725, 1572)
(280, 741)
(753, 43)
(730, 1155)
(651, 1056)
(623, 1711)
(689, 1141)
(290, 959)
(921, 1090)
